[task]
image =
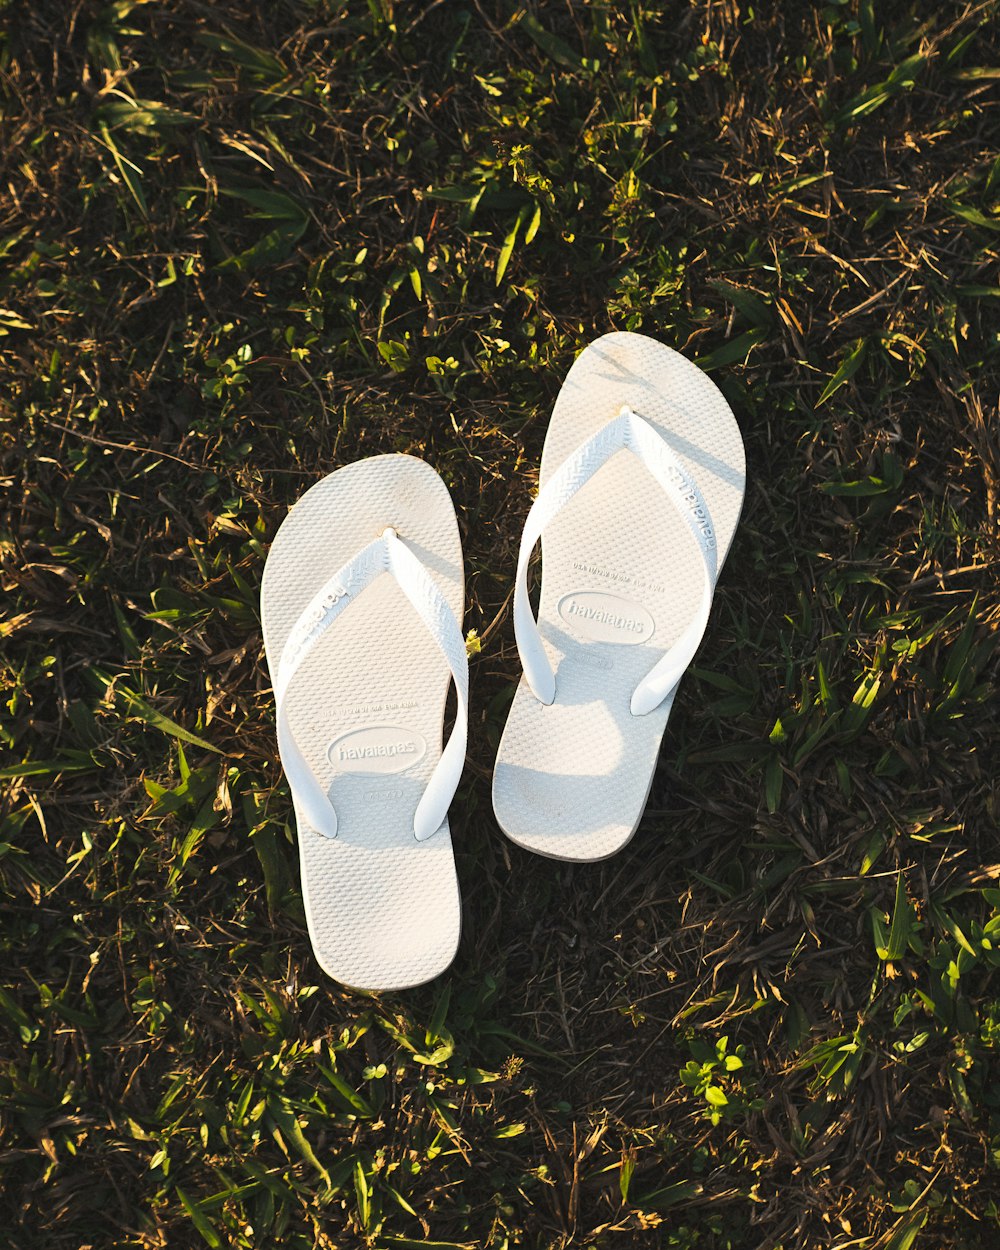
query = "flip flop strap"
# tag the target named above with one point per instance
(387, 554)
(628, 431)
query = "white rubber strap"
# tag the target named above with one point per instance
(628, 431)
(387, 554)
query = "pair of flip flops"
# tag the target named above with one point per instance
(362, 605)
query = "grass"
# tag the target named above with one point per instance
(242, 245)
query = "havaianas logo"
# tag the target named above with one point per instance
(576, 608)
(371, 753)
(697, 510)
(377, 749)
(606, 618)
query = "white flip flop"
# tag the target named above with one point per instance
(632, 547)
(361, 603)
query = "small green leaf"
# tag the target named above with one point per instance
(774, 778)
(977, 73)
(508, 246)
(902, 921)
(905, 1233)
(395, 354)
(131, 174)
(849, 366)
(416, 1243)
(363, 1194)
(668, 1196)
(510, 1130)
(287, 1123)
(625, 1176)
(26, 1028)
(268, 205)
(746, 302)
(973, 216)
(198, 1219)
(553, 47)
(736, 349)
(536, 221)
(260, 63)
(138, 706)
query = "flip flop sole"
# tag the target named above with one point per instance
(367, 710)
(621, 578)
